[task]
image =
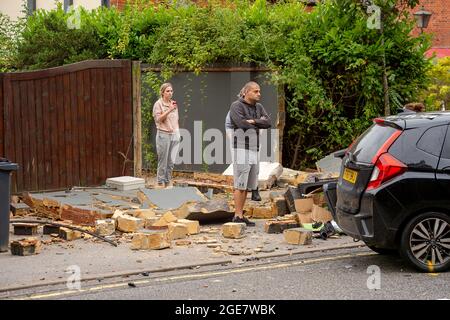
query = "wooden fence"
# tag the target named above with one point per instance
(70, 125)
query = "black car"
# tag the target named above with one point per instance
(393, 192)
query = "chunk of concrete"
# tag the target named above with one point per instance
(177, 231)
(193, 226)
(105, 227)
(233, 230)
(150, 240)
(298, 236)
(127, 223)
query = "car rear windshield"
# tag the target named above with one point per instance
(368, 144)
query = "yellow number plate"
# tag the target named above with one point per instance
(350, 175)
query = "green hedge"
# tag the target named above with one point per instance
(329, 62)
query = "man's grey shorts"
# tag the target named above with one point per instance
(245, 176)
(245, 169)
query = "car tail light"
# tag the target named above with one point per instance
(386, 168)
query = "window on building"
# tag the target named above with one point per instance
(106, 3)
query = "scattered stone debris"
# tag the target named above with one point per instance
(233, 230)
(26, 247)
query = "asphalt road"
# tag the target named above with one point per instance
(341, 274)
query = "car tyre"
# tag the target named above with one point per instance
(425, 242)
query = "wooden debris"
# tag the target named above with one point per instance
(25, 247)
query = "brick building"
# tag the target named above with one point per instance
(439, 25)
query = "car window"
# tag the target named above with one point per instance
(446, 148)
(432, 140)
(368, 144)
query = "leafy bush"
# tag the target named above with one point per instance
(328, 61)
(437, 94)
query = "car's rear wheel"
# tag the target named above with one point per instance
(425, 242)
(383, 251)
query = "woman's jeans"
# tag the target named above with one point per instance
(167, 149)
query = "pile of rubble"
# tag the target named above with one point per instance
(160, 218)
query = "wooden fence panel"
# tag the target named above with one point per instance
(68, 126)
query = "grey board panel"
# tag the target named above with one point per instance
(173, 198)
(207, 98)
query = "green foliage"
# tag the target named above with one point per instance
(437, 94)
(328, 61)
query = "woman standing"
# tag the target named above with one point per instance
(165, 114)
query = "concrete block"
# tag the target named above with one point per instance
(127, 223)
(320, 214)
(303, 205)
(265, 212)
(26, 247)
(279, 226)
(305, 217)
(193, 226)
(233, 230)
(105, 227)
(298, 236)
(280, 207)
(25, 229)
(69, 234)
(177, 231)
(151, 240)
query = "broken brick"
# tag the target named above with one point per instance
(105, 227)
(280, 226)
(25, 247)
(150, 240)
(263, 213)
(25, 229)
(69, 234)
(50, 229)
(193, 226)
(279, 207)
(305, 217)
(303, 205)
(233, 230)
(320, 214)
(127, 223)
(177, 231)
(142, 213)
(298, 236)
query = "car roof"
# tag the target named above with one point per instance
(419, 119)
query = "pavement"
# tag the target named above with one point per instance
(96, 258)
